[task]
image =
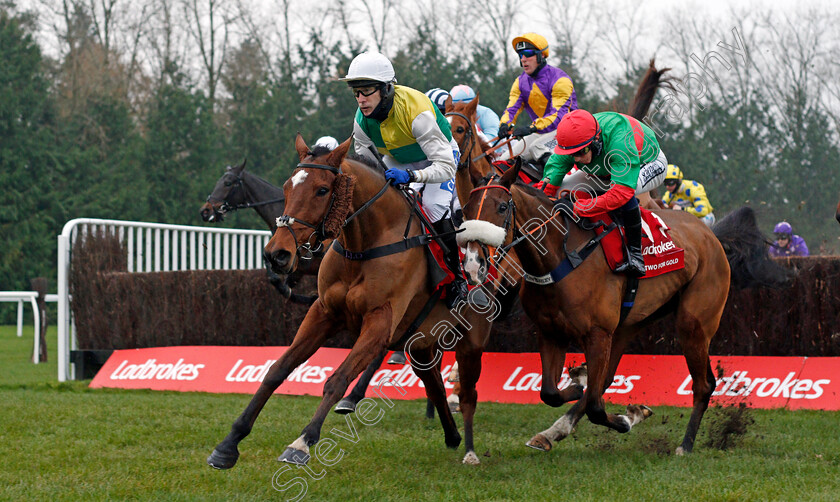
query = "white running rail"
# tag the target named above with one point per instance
(152, 247)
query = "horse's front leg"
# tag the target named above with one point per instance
(316, 328)
(468, 353)
(373, 338)
(553, 349)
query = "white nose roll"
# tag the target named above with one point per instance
(481, 231)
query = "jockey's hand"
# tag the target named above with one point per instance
(523, 130)
(504, 130)
(398, 176)
(547, 188)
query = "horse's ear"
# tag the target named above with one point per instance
(469, 109)
(448, 106)
(510, 176)
(337, 155)
(301, 147)
(241, 167)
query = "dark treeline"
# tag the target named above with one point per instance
(90, 135)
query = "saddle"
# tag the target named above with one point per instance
(531, 172)
(660, 253)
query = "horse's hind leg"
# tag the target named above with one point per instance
(698, 317)
(599, 362)
(348, 404)
(423, 366)
(317, 326)
(375, 333)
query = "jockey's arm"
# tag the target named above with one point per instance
(696, 194)
(437, 148)
(362, 143)
(557, 167)
(561, 91)
(515, 102)
(488, 121)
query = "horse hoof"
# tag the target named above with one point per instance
(219, 460)
(539, 442)
(636, 413)
(579, 375)
(471, 459)
(681, 452)
(345, 406)
(453, 441)
(294, 456)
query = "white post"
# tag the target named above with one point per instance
(63, 352)
(36, 314)
(20, 319)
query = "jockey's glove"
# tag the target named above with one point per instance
(524, 130)
(399, 176)
(547, 188)
(504, 130)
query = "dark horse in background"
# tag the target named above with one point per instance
(584, 304)
(240, 189)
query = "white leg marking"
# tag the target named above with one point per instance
(300, 444)
(561, 428)
(471, 458)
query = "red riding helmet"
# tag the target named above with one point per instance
(576, 130)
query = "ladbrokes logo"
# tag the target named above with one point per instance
(659, 248)
(517, 381)
(150, 370)
(740, 385)
(305, 373)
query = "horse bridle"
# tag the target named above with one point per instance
(305, 251)
(465, 157)
(510, 212)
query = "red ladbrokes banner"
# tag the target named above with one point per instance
(760, 382)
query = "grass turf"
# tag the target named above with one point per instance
(68, 442)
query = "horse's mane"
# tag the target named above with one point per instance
(366, 162)
(319, 150)
(746, 250)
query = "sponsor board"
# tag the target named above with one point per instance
(759, 382)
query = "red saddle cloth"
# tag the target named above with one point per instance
(658, 249)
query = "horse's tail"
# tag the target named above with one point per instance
(746, 251)
(652, 80)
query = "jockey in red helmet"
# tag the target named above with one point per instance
(618, 157)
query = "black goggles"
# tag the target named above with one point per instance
(583, 151)
(782, 236)
(364, 91)
(527, 52)
(668, 183)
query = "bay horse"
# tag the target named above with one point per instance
(585, 305)
(377, 300)
(241, 189)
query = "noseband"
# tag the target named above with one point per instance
(510, 213)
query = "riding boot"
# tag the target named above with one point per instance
(635, 264)
(457, 290)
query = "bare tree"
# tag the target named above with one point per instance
(209, 23)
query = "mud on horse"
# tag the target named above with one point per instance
(583, 306)
(375, 300)
(240, 189)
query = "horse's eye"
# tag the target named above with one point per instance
(323, 191)
(460, 130)
(503, 207)
(228, 183)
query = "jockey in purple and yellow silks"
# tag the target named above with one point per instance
(545, 93)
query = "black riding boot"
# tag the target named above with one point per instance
(635, 264)
(457, 290)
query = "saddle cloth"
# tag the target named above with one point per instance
(658, 249)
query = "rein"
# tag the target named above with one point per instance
(465, 159)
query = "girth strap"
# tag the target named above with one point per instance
(424, 313)
(572, 260)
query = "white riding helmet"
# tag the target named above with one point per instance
(370, 66)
